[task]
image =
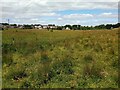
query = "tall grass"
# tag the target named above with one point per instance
(59, 59)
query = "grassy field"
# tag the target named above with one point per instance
(60, 59)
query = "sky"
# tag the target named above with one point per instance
(59, 12)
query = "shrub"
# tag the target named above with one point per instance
(94, 71)
(8, 48)
(63, 66)
(98, 47)
(88, 58)
(88, 44)
(115, 63)
(44, 57)
(111, 51)
(7, 59)
(16, 74)
(26, 84)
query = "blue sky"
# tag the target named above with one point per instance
(59, 13)
(88, 11)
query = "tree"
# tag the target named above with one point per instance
(116, 25)
(59, 28)
(5, 24)
(102, 26)
(78, 27)
(13, 24)
(27, 27)
(74, 27)
(69, 26)
(109, 26)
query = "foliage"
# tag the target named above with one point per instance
(61, 59)
(27, 27)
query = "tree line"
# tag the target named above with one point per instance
(102, 26)
(73, 27)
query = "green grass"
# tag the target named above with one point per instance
(59, 59)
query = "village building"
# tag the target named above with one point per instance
(20, 26)
(38, 27)
(52, 27)
(1, 26)
(67, 28)
(45, 26)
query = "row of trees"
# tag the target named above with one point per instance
(108, 26)
(74, 27)
(103, 26)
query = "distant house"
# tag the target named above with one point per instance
(38, 27)
(67, 28)
(111, 28)
(20, 26)
(45, 26)
(1, 26)
(52, 26)
(4, 26)
(12, 26)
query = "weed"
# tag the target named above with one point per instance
(88, 58)
(98, 47)
(7, 59)
(44, 57)
(16, 74)
(111, 51)
(26, 84)
(73, 59)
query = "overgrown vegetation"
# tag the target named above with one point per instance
(61, 59)
(69, 27)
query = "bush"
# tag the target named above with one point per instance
(98, 47)
(63, 66)
(94, 70)
(16, 74)
(44, 57)
(7, 59)
(111, 51)
(8, 48)
(88, 58)
(26, 84)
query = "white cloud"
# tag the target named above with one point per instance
(60, 18)
(78, 16)
(87, 19)
(49, 14)
(87, 16)
(32, 11)
(108, 15)
(43, 1)
(39, 7)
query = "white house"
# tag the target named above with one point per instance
(67, 28)
(44, 26)
(38, 27)
(52, 27)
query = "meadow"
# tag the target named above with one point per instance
(60, 59)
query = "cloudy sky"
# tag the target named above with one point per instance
(59, 12)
